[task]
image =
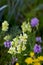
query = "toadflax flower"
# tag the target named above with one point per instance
(38, 39)
(7, 44)
(26, 27)
(5, 26)
(37, 48)
(34, 22)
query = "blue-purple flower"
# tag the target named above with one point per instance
(34, 22)
(38, 39)
(37, 48)
(7, 44)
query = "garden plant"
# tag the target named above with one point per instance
(21, 32)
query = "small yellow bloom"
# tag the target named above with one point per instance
(40, 58)
(29, 60)
(17, 63)
(5, 26)
(37, 63)
(31, 54)
(35, 60)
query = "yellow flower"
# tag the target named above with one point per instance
(32, 54)
(40, 58)
(5, 26)
(29, 60)
(17, 63)
(35, 60)
(37, 63)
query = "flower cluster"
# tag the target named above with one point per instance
(37, 48)
(23, 41)
(26, 27)
(18, 44)
(34, 22)
(33, 60)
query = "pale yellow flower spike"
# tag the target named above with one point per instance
(5, 26)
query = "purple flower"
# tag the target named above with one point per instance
(34, 22)
(38, 39)
(7, 44)
(37, 48)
